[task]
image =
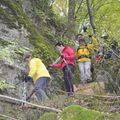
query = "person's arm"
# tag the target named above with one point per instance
(57, 60)
(95, 41)
(32, 68)
(56, 65)
(92, 46)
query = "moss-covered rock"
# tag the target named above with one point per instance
(75, 112)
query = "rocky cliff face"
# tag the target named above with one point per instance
(12, 41)
(24, 26)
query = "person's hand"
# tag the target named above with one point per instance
(27, 78)
(51, 65)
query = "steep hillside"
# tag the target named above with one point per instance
(25, 26)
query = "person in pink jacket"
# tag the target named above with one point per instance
(66, 63)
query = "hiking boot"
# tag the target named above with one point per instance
(89, 80)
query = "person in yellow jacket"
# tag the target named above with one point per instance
(84, 58)
(39, 74)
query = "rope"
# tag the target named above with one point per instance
(24, 96)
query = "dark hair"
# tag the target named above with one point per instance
(59, 43)
(27, 55)
(90, 36)
(78, 35)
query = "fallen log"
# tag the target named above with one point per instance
(16, 101)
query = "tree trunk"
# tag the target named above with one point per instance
(90, 15)
(71, 19)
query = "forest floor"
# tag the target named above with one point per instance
(91, 95)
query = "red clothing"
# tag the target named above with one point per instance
(99, 58)
(67, 57)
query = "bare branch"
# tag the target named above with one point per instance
(90, 15)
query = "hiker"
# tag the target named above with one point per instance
(66, 63)
(100, 54)
(77, 37)
(39, 74)
(84, 58)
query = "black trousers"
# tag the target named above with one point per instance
(68, 79)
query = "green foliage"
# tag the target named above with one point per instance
(49, 116)
(44, 5)
(75, 112)
(107, 19)
(13, 14)
(4, 85)
(44, 53)
(61, 7)
(9, 49)
(5, 54)
(22, 50)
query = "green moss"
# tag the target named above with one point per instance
(49, 116)
(75, 112)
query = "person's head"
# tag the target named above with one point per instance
(79, 35)
(90, 36)
(60, 46)
(82, 41)
(27, 57)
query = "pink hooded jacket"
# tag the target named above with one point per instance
(67, 57)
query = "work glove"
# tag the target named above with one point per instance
(27, 78)
(108, 55)
(49, 67)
